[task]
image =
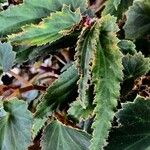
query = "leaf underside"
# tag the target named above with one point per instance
(84, 55)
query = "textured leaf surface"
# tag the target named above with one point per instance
(7, 56)
(50, 29)
(117, 7)
(135, 66)
(134, 131)
(60, 137)
(15, 125)
(127, 47)
(78, 112)
(138, 20)
(107, 75)
(58, 93)
(38, 123)
(84, 55)
(15, 17)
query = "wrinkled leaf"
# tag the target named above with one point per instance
(138, 20)
(127, 47)
(84, 56)
(107, 76)
(135, 66)
(134, 131)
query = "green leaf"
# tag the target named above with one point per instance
(138, 20)
(78, 112)
(22, 53)
(59, 92)
(107, 75)
(134, 131)
(127, 47)
(60, 137)
(2, 1)
(25, 53)
(50, 29)
(29, 53)
(135, 66)
(116, 7)
(116, 3)
(14, 17)
(15, 125)
(38, 124)
(7, 56)
(85, 53)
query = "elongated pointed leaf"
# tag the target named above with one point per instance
(84, 55)
(32, 11)
(135, 66)
(60, 137)
(107, 75)
(138, 20)
(134, 131)
(50, 29)
(58, 93)
(7, 56)
(15, 125)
